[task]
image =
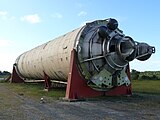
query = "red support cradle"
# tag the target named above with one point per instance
(77, 87)
(15, 77)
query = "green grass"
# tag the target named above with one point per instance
(35, 90)
(146, 86)
(2, 81)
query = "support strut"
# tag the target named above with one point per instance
(47, 82)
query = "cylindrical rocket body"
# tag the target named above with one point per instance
(53, 58)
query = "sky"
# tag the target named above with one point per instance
(25, 24)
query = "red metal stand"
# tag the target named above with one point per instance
(77, 87)
(47, 82)
(15, 77)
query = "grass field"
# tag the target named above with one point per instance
(37, 90)
(146, 86)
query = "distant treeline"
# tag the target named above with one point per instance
(4, 73)
(147, 75)
(135, 75)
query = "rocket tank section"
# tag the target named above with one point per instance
(102, 52)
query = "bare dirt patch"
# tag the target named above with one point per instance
(18, 106)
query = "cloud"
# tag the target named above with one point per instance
(3, 15)
(31, 18)
(57, 15)
(5, 43)
(13, 18)
(82, 13)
